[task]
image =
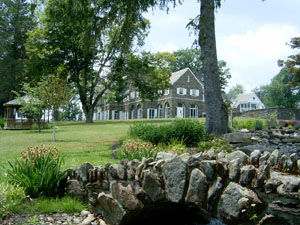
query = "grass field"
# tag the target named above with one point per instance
(79, 142)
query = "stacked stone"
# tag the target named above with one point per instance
(233, 187)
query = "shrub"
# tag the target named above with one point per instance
(189, 131)
(176, 147)
(38, 172)
(259, 125)
(215, 143)
(137, 150)
(11, 198)
(1, 122)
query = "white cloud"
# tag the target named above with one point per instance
(252, 56)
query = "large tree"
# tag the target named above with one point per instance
(293, 62)
(279, 93)
(216, 110)
(89, 42)
(15, 21)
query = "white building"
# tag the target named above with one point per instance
(247, 102)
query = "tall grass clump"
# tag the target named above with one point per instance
(38, 172)
(132, 149)
(189, 131)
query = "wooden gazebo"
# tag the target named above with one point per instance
(11, 119)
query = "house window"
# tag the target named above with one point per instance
(137, 94)
(139, 112)
(167, 110)
(181, 91)
(253, 106)
(194, 111)
(167, 91)
(132, 95)
(194, 92)
(180, 110)
(188, 79)
(160, 111)
(152, 113)
(159, 92)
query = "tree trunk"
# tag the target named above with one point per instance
(88, 111)
(216, 110)
(54, 130)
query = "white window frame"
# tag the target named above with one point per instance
(181, 91)
(132, 95)
(167, 92)
(194, 92)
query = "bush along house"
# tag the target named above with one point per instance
(183, 99)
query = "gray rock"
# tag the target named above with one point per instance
(221, 155)
(131, 168)
(185, 157)
(214, 192)
(254, 157)
(271, 185)
(298, 165)
(263, 174)
(234, 200)
(121, 171)
(282, 161)
(210, 154)
(165, 156)
(111, 210)
(247, 174)
(74, 188)
(237, 155)
(113, 172)
(88, 220)
(273, 159)
(195, 159)
(264, 158)
(124, 194)
(82, 171)
(197, 190)
(84, 213)
(238, 138)
(152, 186)
(208, 168)
(222, 168)
(234, 169)
(174, 174)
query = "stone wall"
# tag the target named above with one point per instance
(281, 113)
(235, 188)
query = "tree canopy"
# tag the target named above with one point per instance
(293, 62)
(279, 93)
(89, 43)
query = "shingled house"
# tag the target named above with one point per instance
(184, 99)
(247, 102)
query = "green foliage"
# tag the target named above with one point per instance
(189, 131)
(218, 144)
(38, 172)
(15, 21)
(175, 147)
(1, 122)
(234, 92)
(259, 125)
(11, 197)
(137, 150)
(70, 112)
(250, 124)
(279, 93)
(293, 62)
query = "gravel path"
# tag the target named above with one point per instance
(83, 218)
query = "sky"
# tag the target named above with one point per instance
(251, 35)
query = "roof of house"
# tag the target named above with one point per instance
(15, 101)
(176, 75)
(243, 97)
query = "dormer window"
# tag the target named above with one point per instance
(253, 98)
(188, 79)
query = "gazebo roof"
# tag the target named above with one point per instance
(15, 102)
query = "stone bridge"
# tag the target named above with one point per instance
(204, 188)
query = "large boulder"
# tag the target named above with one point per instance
(109, 208)
(237, 204)
(197, 190)
(174, 174)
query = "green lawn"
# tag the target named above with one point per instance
(79, 142)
